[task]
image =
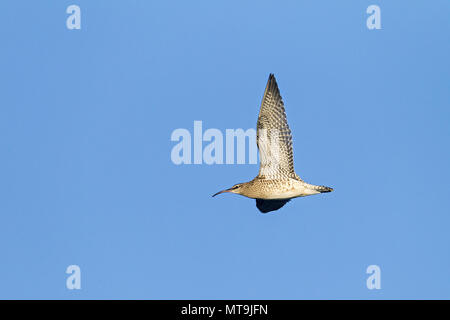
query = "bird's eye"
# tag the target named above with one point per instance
(235, 187)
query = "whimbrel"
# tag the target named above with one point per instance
(276, 183)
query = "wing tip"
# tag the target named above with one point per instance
(272, 83)
(271, 77)
(265, 205)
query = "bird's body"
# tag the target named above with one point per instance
(268, 189)
(277, 181)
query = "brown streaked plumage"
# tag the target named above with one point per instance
(277, 181)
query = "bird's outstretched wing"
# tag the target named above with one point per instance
(274, 137)
(270, 205)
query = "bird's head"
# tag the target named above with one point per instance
(237, 188)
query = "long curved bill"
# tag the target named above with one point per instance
(226, 190)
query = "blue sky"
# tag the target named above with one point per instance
(87, 179)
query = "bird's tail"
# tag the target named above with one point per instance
(323, 189)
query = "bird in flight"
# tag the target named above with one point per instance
(276, 183)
